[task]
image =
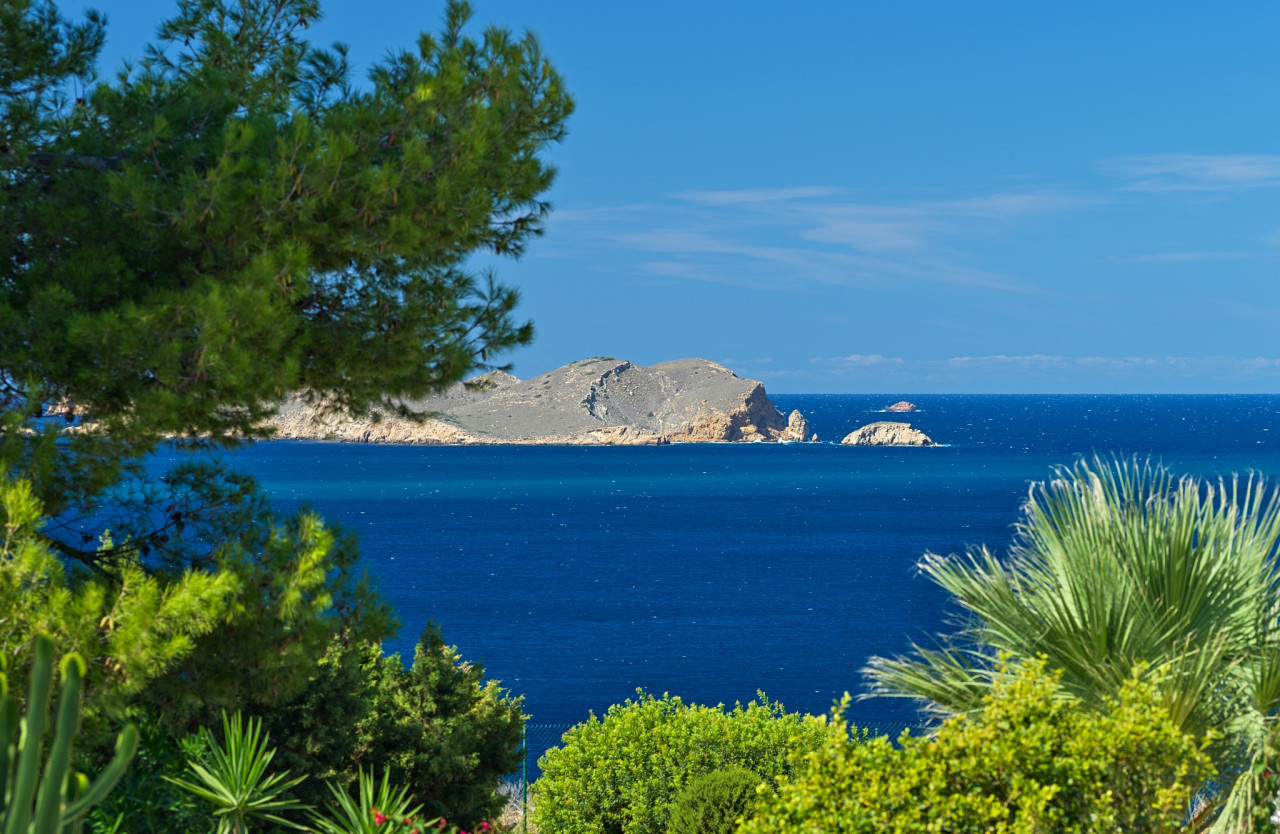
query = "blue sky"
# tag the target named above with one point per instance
(895, 197)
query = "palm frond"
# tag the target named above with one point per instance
(1118, 566)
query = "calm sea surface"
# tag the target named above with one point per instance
(577, 575)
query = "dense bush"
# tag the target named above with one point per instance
(144, 801)
(622, 773)
(1031, 760)
(438, 728)
(714, 802)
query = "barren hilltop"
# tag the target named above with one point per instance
(598, 401)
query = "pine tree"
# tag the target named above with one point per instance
(230, 220)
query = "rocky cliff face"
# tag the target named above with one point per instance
(887, 434)
(797, 430)
(595, 402)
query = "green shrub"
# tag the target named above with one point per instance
(622, 773)
(438, 728)
(144, 801)
(1031, 760)
(714, 802)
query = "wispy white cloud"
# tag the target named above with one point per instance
(1019, 204)
(1027, 373)
(745, 363)
(725, 258)
(757, 195)
(796, 238)
(787, 238)
(1180, 172)
(1040, 362)
(874, 228)
(708, 275)
(863, 360)
(1179, 257)
(923, 224)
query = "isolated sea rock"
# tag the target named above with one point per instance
(599, 401)
(797, 430)
(902, 406)
(887, 433)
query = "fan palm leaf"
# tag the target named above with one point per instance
(1117, 566)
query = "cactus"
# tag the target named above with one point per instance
(35, 803)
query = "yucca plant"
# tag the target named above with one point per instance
(1116, 565)
(234, 778)
(378, 809)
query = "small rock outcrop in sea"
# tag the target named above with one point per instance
(902, 406)
(887, 434)
(797, 430)
(603, 402)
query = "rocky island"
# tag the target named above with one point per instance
(887, 433)
(902, 406)
(599, 401)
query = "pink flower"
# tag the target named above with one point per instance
(378, 819)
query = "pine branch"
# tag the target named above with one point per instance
(49, 161)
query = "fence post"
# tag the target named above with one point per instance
(524, 780)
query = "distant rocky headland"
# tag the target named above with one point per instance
(599, 401)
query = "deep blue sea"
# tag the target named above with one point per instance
(578, 574)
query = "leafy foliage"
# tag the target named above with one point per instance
(1032, 759)
(715, 802)
(145, 798)
(301, 582)
(226, 222)
(437, 728)
(1119, 567)
(185, 642)
(233, 219)
(129, 629)
(623, 773)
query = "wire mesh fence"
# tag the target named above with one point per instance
(536, 740)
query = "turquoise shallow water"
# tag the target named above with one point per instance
(579, 574)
